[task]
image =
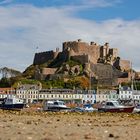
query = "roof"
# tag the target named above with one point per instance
(6, 90)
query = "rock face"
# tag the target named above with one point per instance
(106, 74)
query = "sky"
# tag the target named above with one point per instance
(30, 26)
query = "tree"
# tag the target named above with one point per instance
(5, 82)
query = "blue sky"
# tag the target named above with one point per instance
(126, 9)
(26, 24)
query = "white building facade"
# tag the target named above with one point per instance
(127, 94)
(106, 95)
(89, 97)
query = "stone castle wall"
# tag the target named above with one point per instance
(113, 52)
(79, 48)
(44, 57)
(81, 58)
(106, 74)
(125, 65)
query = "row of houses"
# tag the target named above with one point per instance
(127, 94)
(81, 96)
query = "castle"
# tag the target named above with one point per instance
(82, 51)
(85, 53)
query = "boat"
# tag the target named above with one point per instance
(85, 108)
(12, 102)
(78, 109)
(88, 108)
(137, 109)
(114, 106)
(55, 106)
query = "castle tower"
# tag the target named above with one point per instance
(113, 52)
(56, 53)
(70, 52)
(104, 50)
(65, 46)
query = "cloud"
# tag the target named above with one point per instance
(5, 2)
(23, 28)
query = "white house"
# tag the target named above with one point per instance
(106, 95)
(28, 92)
(89, 97)
(136, 96)
(4, 92)
(60, 94)
(125, 93)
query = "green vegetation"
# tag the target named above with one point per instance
(29, 72)
(72, 63)
(5, 82)
(53, 84)
(136, 85)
